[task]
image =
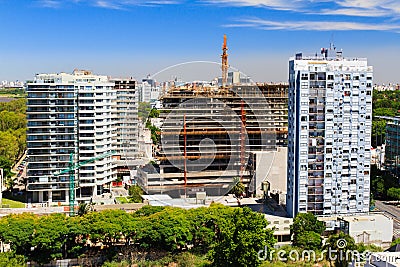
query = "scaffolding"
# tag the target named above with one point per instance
(208, 133)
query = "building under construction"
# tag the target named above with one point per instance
(209, 133)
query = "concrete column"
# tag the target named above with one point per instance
(40, 196)
(67, 196)
(50, 194)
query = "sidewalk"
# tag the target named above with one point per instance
(15, 167)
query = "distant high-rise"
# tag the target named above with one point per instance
(330, 113)
(125, 116)
(69, 114)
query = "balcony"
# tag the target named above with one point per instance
(315, 191)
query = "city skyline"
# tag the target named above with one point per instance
(136, 38)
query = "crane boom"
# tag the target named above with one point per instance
(80, 164)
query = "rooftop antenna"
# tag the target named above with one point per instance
(332, 43)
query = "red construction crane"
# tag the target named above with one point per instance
(242, 140)
(184, 152)
(225, 66)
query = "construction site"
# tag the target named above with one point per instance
(211, 134)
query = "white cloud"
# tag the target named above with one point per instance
(353, 12)
(49, 3)
(313, 25)
(109, 4)
(362, 8)
(322, 15)
(272, 4)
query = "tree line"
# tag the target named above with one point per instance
(225, 236)
(12, 133)
(384, 103)
(229, 236)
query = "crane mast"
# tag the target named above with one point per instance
(224, 65)
(71, 170)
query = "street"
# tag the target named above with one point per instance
(392, 211)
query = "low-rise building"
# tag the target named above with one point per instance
(281, 227)
(383, 259)
(374, 228)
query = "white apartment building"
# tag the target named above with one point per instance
(125, 116)
(148, 91)
(330, 117)
(69, 114)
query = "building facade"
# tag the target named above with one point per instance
(125, 116)
(207, 134)
(329, 135)
(392, 148)
(69, 115)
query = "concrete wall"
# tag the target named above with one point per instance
(376, 229)
(271, 167)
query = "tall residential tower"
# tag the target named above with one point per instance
(69, 114)
(330, 113)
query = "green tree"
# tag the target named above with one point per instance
(380, 187)
(362, 248)
(148, 210)
(378, 132)
(8, 146)
(232, 235)
(77, 237)
(339, 245)
(12, 133)
(135, 193)
(381, 181)
(104, 226)
(168, 229)
(239, 239)
(6, 165)
(309, 240)
(394, 193)
(151, 113)
(155, 132)
(17, 106)
(10, 259)
(306, 225)
(11, 120)
(20, 134)
(395, 242)
(49, 237)
(238, 189)
(154, 113)
(144, 111)
(85, 208)
(18, 231)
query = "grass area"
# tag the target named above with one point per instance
(14, 92)
(8, 203)
(10, 97)
(123, 200)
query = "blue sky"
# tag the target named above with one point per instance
(135, 38)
